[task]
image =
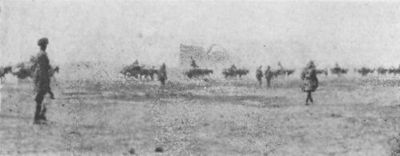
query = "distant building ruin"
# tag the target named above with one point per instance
(203, 58)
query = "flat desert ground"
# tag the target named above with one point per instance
(357, 116)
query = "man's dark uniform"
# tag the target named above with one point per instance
(310, 81)
(162, 74)
(268, 76)
(259, 75)
(41, 78)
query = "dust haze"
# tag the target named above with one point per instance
(259, 33)
(107, 105)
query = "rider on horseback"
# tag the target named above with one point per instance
(233, 68)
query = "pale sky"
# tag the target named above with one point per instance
(258, 32)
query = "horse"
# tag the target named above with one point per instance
(382, 71)
(322, 71)
(394, 71)
(339, 71)
(196, 72)
(4, 71)
(148, 73)
(23, 70)
(365, 71)
(234, 72)
(131, 71)
(283, 72)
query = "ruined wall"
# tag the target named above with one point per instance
(206, 59)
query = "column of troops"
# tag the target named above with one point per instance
(39, 69)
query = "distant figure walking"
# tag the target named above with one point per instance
(259, 75)
(268, 76)
(309, 77)
(41, 79)
(162, 75)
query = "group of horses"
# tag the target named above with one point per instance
(381, 71)
(364, 71)
(339, 71)
(384, 71)
(23, 70)
(143, 73)
(140, 72)
(232, 72)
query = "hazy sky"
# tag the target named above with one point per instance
(258, 32)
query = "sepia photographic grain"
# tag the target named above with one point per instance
(200, 77)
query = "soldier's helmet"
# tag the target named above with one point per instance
(43, 41)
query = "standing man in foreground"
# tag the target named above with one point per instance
(41, 79)
(310, 81)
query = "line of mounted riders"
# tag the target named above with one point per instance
(145, 73)
(382, 71)
(24, 70)
(232, 72)
(364, 71)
